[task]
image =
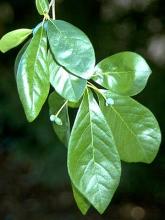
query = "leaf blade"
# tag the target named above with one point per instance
(33, 76)
(81, 202)
(68, 86)
(42, 6)
(13, 39)
(124, 73)
(71, 48)
(136, 131)
(93, 161)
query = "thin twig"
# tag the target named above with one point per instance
(54, 10)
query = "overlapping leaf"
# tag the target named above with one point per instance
(93, 160)
(81, 202)
(42, 6)
(13, 39)
(62, 131)
(136, 131)
(68, 86)
(71, 48)
(33, 75)
(125, 73)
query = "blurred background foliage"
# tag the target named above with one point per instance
(33, 176)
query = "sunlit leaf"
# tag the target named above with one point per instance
(13, 39)
(125, 73)
(93, 160)
(71, 48)
(33, 75)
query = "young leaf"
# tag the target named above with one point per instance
(62, 131)
(33, 75)
(93, 160)
(135, 129)
(13, 39)
(68, 86)
(81, 201)
(18, 58)
(42, 6)
(71, 48)
(125, 73)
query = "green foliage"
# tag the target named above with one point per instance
(71, 48)
(13, 39)
(42, 6)
(125, 73)
(109, 126)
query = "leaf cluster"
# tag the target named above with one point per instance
(110, 126)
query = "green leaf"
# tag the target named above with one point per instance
(135, 129)
(125, 73)
(19, 56)
(81, 201)
(68, 86)
(42, 6)
(71, 48)
(13, 39)
(33, 75)
(93, 160)
(63, 131)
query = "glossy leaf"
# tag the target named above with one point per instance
(136, 131)
(19, 56)
(33, 75)
(62, 131)
(81, 202)
(125, 73)
(42, 6)
(71, 48)
(93, 160)
(13, 39)
(68, 86)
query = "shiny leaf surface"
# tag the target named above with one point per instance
(63, 131)
(68, 86)
(33, 76)
(81, 202)
(71, 48)
(13, 39)
(42, 6)
(18, 58)
(125, 73)
(135, 129)
(93, 160)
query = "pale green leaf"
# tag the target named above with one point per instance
(42, 6)
(13, 39)
(33, 75)
(93, 160)
(125, 73)
(71, 48)
(62, 131)
(135, 129)
(81, 201)
(67, 85)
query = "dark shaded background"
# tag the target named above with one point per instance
(33, 177)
